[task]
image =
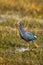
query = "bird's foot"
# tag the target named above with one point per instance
(36, 46)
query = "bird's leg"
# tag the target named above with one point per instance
(35, 44)
(28, 46)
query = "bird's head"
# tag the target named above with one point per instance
(19, 23)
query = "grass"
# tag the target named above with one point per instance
(31, 16)
(10, 40)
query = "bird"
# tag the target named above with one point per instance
(26, 35)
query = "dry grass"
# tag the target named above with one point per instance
(10, 40)
(31, 16)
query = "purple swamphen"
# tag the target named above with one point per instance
(26, 35)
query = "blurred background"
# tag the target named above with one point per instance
(30, 13)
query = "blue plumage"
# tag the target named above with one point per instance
(27, 36)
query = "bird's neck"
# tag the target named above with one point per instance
(21, 28)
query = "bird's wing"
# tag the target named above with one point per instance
(29, 35)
